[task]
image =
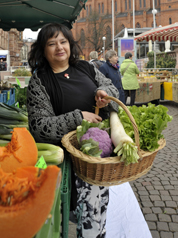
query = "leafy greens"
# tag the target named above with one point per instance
(151, 120)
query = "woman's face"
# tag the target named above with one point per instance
(57, 50)
(113, 59)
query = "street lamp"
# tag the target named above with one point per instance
(154, 12)
(134, 53)
(104, 39)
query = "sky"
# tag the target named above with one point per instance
(27, 33)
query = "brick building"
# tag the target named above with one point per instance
(13, 41)
(166, 14)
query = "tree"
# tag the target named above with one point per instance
(97, 28)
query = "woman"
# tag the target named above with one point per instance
(111, 70)
(62, 92)
(94, 59)
(130, 83)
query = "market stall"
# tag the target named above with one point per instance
(168, 81)
(147, 92)
(156, 85)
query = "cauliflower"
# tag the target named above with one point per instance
(102, 137)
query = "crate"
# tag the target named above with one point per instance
(57, 225)
(9, 97)
(2, 97)
(52, 226)
(12, 97)
(65, 194)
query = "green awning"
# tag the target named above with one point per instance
(34, 14)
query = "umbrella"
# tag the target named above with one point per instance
(169, 32)
(34, 14)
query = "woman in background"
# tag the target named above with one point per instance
(130, 83)
(111, 70)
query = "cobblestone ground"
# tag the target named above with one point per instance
(157, 191)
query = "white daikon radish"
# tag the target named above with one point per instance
(124, 145)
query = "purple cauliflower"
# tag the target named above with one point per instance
(101, 136)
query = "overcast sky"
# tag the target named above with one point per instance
(27, 33)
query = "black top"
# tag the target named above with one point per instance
(74, 82)
(62, 90)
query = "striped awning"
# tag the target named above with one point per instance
(169, 32)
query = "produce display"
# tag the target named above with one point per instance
(151, 120)
(52, 154)
(26, 199)
(12, 116)
(19, 152)
(26, 192)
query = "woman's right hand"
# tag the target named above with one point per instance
(91, 117)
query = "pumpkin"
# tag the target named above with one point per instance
(19, 152)
(26, 199)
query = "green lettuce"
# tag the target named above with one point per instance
(151, 120)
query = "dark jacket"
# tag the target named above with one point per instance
(113, 73)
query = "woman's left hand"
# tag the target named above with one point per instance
(100, 101)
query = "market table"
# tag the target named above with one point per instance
(148, 91)
(171, 91)
(56, 225)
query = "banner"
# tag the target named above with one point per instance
(127, 45)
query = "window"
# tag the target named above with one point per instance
(115, 6)
(140, 3)
(144, 3)
(138, 25)
(108, 37)
(125, 4)
(129, 4)
(102, 7)
(170, 20)
(90, 9)
(99, 10)
(142, 50)
(87, 10)
(82, 38)
(156, 2)
(122, 26)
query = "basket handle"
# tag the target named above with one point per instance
(136, 133)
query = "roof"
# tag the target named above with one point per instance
(34, 14)
(169, 32)
(130, 31)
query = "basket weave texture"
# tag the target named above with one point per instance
(109, 171)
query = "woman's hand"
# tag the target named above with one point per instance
(91, 117)
(100, 101)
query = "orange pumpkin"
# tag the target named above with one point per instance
(19, 152)
(26, 199)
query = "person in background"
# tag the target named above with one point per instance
(63, 91)
(2, 65)
(111, 70)
(130, 83)
(94, 59)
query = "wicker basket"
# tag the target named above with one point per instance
(109, 171)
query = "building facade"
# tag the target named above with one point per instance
(12, 41)
(123, 18)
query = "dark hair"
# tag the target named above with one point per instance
(36, 57)
(128, 55)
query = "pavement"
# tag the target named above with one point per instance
(157, 191)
